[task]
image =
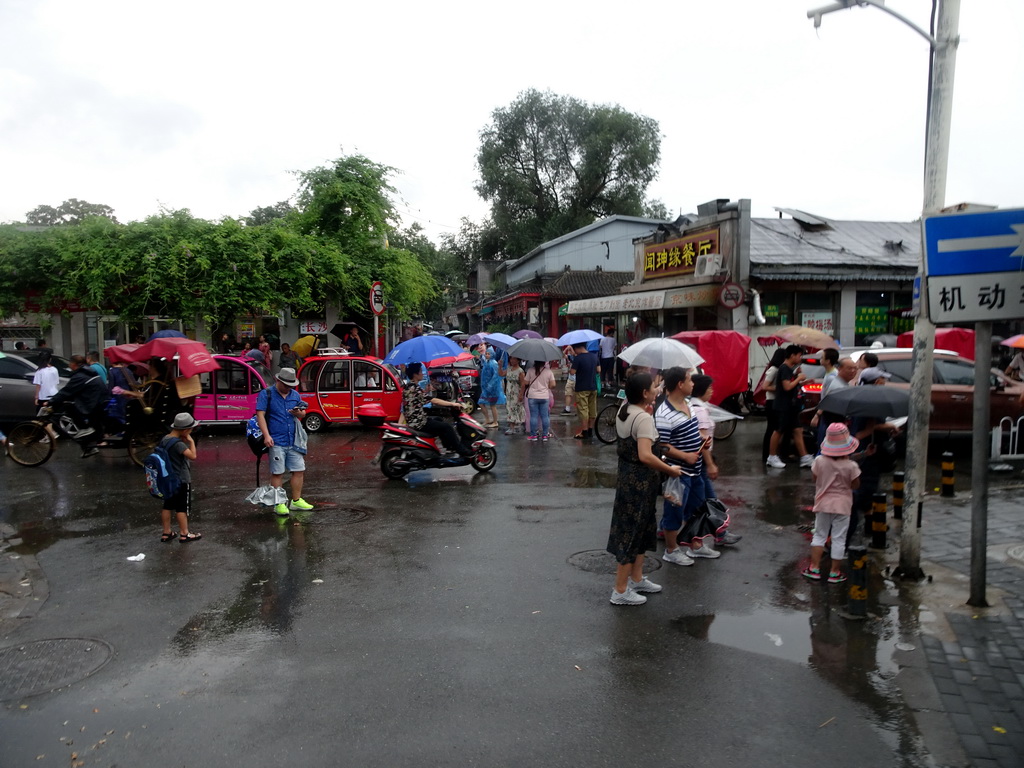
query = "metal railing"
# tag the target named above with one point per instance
(1006, 439)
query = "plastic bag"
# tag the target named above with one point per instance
(672, 490)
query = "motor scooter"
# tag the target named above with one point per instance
(406, 450)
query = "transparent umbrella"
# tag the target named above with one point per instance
(661, 354)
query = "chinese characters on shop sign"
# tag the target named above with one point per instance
(678, 257)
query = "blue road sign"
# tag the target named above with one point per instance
(975, 243)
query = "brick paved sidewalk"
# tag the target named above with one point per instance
(980, 672)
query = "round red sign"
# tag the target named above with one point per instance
(732, 296)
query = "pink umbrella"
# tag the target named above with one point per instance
(526, 333)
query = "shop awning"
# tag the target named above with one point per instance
(622, 302)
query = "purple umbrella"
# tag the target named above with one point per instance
(476, 338)
(526, 333)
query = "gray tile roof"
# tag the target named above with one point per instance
(574, 284)
(875, 248)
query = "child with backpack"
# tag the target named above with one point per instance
(836, 476)
(175, 452)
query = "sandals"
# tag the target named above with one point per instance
(814, 574)
(836, 578)
(186, 537)
(165, 537)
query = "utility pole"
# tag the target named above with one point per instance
(940, 112)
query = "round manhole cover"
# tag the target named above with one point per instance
(338, 515)
(1016, 552)
(599, 561)
(45, 665)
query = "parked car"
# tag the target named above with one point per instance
(343, 388)
(17, 392)
(952, 389)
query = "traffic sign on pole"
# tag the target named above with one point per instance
(975, 265)
(377, 305)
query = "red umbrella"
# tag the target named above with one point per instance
(462, 356)
(122, 353)
(193, 357)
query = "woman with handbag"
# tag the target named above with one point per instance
(634, 519)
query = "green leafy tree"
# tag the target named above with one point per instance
(268, 213)
(550, 164)
(448, 270)
(656, 209)
(73, 211)
(348, 203)
(474, 242)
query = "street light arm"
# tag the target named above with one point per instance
(842, 5)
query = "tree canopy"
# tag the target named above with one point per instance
(73, 211)
(328, 250)
(550, 164)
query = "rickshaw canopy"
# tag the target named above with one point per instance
(192, 356)
(725, 356)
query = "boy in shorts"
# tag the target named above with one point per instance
(182, 450)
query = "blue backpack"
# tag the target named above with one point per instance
(161, 479)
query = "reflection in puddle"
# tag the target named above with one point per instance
(591, 478)
(783, 634)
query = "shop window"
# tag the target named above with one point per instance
(872, 315)
(777, 307)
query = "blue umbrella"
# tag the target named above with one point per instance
(423, 349)
(582, 336)
(500, 340)
(167, 333)
(526, 333)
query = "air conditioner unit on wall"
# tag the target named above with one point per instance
(708, 264)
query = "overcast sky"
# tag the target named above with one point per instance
(209, 105)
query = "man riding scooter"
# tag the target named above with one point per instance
(414, 398)
(83, 399)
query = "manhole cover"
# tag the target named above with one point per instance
(331, 513)
(599, 561)
(45, 665)
(1016, 552)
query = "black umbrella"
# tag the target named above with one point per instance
(873, 401)
(341, 329)
(534, 350)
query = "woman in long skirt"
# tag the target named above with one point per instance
(634, 520)
(514, 408)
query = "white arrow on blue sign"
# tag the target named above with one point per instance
(975, 243)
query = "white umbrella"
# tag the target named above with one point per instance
(661, 354)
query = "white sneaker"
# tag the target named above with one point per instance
(806, 460)
(678, 556)
(705, 551)
(775, 461)
(644, 585)
(629, 597)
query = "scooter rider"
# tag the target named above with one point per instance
(84, 397)
(413, 401)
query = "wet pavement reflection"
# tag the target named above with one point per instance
(549, 498)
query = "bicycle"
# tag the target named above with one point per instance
(604, 424)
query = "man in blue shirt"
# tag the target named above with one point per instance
(586, 369)
(277, 408)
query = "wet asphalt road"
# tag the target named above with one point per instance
(440, 620)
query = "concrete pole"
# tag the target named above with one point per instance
(979, 462)
(936, 155)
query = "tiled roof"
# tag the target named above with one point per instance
(846, 245)
(576, 284)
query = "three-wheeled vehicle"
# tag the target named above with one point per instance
(343, 388)
(162, 381)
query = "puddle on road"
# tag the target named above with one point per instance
(783, 634)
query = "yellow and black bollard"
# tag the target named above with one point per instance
(897, 495)
(857, 587)
(948, 488)
(879, 524)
